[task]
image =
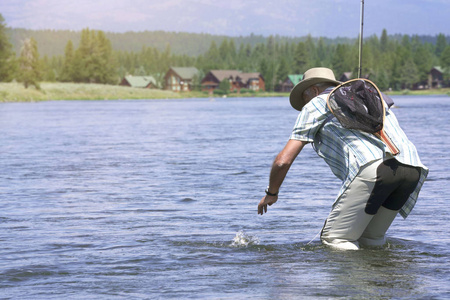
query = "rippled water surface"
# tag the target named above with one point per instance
(157, 199)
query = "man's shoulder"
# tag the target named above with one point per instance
(317, 105)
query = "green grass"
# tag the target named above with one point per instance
(16, 92)
(441, 91)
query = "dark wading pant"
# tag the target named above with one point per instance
(364, 212)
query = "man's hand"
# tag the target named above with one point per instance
(266, 200)
(280, 167)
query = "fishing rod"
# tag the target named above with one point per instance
(361, 39)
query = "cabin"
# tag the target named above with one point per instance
(289, 82)
(436, 77)
(214, 77)
(252, 81)
(146, 82)
(180, 79)
(237, 79)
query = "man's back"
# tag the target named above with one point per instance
(345, 150)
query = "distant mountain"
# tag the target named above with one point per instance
(53, 42)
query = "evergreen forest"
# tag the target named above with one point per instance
(92, 56)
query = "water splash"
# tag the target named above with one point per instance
(244, 240)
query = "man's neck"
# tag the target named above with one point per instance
(327, 90)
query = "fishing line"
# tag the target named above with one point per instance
(314, 238)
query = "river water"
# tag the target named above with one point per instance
(158, 199)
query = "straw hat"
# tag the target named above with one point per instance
(311, 77)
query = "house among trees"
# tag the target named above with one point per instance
(436, 78)
(181, 79)
(146, 82)
(237, 80)
(212, 80)
(291, 80)
(251, 81)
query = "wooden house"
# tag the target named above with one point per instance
(237, 79)
(214, 77)
(147, 82)
(289, 82)
(251, 81)
(180, 79)
(436, 77)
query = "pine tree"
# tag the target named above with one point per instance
(423, 59)
(351, 60)
(382, 80)
(165, 59)
(311, 52)
(339, 60)
(212, 57)
(445, 62)
(282, 70)
(93, 61)
(47, 71)
(29, 64)
(232, 49)
(406, 43)
(271, 46)
(384, 41)
(78, 68)
(441, 43)
(409, 73)
(269, 75)
(224, 55)
(67, 71)
(395, 69)
(7, 57)
(300, 58)
(81, 66)
(103, 65)
(264, 70)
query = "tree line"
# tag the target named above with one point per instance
(52, 42)
(391, 62)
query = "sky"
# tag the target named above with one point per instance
(293, 18)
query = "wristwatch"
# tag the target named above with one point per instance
(269, 193)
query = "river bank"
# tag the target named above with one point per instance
(15, 92)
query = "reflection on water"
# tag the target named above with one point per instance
(157, 199)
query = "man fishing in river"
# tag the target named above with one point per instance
(377, 184)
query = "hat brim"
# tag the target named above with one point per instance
(296, 96)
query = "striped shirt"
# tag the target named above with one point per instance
(346, 151)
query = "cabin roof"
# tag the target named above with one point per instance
(245, 77)
(140, 81)
(185, 72)
(295, 78)
(438, 68)
(225, 74)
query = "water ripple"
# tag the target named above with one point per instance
(157, 199)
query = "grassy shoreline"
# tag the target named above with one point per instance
(15, 92)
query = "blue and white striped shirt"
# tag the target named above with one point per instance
(346, 151)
